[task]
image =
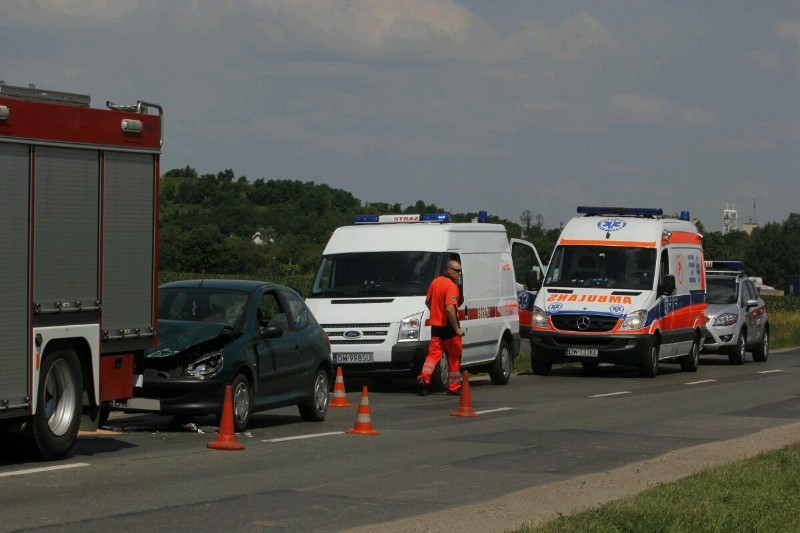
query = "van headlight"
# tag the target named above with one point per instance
(409, 328)
(539, 318)
(635, 320)
(726, 319)
(205, 365)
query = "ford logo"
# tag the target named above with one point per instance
(352, 334)
(583, 323)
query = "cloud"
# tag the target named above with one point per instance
(765, 58)
(644, 109)
(763, 136)
(789, 31)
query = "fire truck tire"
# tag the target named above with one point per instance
(58, 405)
(501, 369)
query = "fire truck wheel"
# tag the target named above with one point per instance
(501, 369)
(648, 368)
(58, 405)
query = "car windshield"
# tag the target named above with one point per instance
(602, 266)
(369, 274)
(200, 304)
(721, 290)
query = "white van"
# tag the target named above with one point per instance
(369, 293)
(623, 286)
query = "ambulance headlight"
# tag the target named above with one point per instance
(409, 328)
(539, 319)
(635, 320)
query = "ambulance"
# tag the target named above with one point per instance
(369, 293)
(624, 286)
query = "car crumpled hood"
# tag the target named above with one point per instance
(174, 336)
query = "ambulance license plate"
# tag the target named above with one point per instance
(582, 352)
(344, 358)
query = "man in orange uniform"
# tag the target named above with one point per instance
(443, 299)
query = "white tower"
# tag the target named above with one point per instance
(730, 219)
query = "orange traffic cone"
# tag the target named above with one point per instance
(363, 425)
(465, 402)
(226, 438)
(339, 398)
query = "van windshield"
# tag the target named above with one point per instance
(602, 266)
(367, 274)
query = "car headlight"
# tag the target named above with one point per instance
(409, 328)
(539, 318)
(635, 320)
(205, 365)
(726, 319)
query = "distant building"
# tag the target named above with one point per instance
(730, 220)
(748, 227)
(259, 238)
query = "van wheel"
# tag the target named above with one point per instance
(540, 368)
(58, 405)
(501, 369)
(761, 352)
(736, 356)
(690, 362)
(590, 366)
(441, 376)
(648, 368)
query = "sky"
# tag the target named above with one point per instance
(495, 105)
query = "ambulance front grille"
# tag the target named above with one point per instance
(581, 322)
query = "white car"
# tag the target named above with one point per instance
(737, 318)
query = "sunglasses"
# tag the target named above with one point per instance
(455, 269)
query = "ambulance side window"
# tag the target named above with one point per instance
(460, 283)
(664, 270)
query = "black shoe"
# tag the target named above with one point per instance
(422, 387)
(454, 393)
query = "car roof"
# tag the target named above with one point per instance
(225, 284)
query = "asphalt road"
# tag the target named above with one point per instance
(157, 473)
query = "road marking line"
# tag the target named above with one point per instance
(768, 371)
(282, 439)
(42, 469)
(699, 382)
(493, 410)
(610, 394)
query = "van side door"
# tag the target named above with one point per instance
(529, 274)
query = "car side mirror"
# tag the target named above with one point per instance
(270, 332)
(751, 304)
(667, 287)
(533, 279)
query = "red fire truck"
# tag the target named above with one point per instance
(78, 259)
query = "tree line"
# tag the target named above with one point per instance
(208, 223)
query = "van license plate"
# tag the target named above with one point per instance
(344, 358)
(582, 352)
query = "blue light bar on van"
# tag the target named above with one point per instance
(631, 211)
(435, 217)
(365, 219)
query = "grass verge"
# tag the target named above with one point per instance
(757, 494)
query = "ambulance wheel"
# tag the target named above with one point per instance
(501, 369)
(689, 363)
(736, 356)
(761, 352)
(648, 368)
(440, 376)
(541, 368)
(58, 405)
(590, 366)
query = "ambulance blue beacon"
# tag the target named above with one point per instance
(623, 286)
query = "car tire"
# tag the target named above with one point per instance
(761, 352)
(736, 355)
(690, 362)
(315, 407)
(242, 396)
(59, 402)
(441, 376)
(648, 368)
(501, 369)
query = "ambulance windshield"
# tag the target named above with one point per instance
(368, 274)
(602, 266)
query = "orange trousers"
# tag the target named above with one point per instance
(453, 347)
